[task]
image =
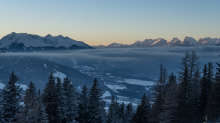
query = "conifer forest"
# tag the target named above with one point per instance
(192, 95)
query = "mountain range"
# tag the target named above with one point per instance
(30, 42)
(160, 42)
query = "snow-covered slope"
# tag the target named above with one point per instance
(209, 41)
(28, 41)
(35, 69)
(174, 42)
(160, 42)
(114, 45)
(189, 41)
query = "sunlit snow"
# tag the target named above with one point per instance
(59, 74)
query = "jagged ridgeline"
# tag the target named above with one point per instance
(160, 42)
(29, 42)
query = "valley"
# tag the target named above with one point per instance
(125, 73)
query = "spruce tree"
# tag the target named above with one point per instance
(184, 91)
(195, 98)
(41, 114)
(213, 106)
(48, 99)
(142, 113)
(204, 94)
(83, 112)
(193, 65)
(29, 110)
(129, 112)
(1, 106)
(11, 99)
(59, 101)
(95, 104)
(111, 116)
(159, 94)
(32, 89)
(210, 78)
(170, 106)
(122, 113)
(70, 101)
(136, 117)
(117, 112)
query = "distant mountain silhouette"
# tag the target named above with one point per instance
(29, 42)
(160, 42)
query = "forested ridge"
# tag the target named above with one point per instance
(191, 97)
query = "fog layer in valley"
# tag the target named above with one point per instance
(127, 73)
(135, 62)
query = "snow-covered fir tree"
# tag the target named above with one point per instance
(111, 116)
(11, 98)
(70, 101)
(48, 99)
(29, 109)
(59, 102)
(143, 111)
(122, 115)
(96, 104)
(83, 111)
(129, 113)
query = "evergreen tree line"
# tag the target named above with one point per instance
(192, 97)
(61, 103)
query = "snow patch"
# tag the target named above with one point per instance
(116, 87)
(24, 87)
(45, 66)
(138, 82)
(147, 88)
(106, 94)
(85, 67)
(59, 74)
(2, 85)
(2, 66)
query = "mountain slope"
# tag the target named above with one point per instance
(189, 41)
(35, 69)
(28, 42)
(174, 42)
(209, 41)
(160, 42)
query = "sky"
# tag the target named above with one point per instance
(101, 22)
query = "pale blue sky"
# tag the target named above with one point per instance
(106, 21)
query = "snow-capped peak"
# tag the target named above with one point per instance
(115, 45)
(48, 35)
(174, 42)
(209, 41)
(38, 41)
(190, 41)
